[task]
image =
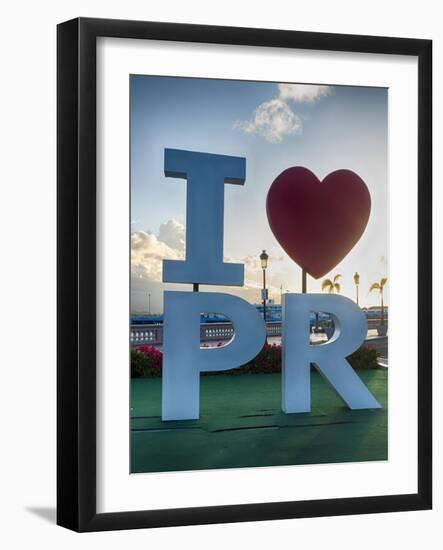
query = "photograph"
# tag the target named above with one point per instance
(229, 311)
(259, 273)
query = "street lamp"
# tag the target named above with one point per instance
(357, 283)
(264, 264)
(149, 303)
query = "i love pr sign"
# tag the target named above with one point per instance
(302, 212)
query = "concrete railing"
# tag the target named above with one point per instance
(148, 335)
(379, 343)
(374, 323)
(152, 335)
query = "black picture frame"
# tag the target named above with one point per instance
(76, 265)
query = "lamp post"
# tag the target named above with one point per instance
(149, 303)
(357, 284)
(264, 264)
(304, 284)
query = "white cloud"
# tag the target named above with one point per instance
(273, 120)
(147, 255)
(148, 252)
(173, 234)
(254, 275)
(302, 93)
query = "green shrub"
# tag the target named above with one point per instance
(146, 361)
(267, 361)
(364, 358)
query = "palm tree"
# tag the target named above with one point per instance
(331, 285)
(380, 286)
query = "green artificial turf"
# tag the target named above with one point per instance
(241, 425)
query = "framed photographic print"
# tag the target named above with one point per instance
(244, 274)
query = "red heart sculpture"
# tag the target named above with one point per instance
(317, 223)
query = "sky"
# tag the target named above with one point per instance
(274, 126)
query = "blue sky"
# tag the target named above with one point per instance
(323, 128)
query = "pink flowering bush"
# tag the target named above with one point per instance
(146, 361)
